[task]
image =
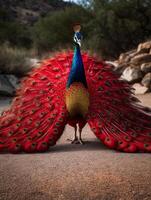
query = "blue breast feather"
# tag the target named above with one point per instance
(77, 73)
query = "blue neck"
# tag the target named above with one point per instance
(77, 73)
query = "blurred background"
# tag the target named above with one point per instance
(31, 30)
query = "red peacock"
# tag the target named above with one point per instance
(75, 89)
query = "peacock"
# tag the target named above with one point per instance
(74, 88)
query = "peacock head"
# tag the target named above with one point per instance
(77, 36)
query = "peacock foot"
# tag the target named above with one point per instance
(76, 141)
(81, 141)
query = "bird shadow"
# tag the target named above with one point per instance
(87, 146)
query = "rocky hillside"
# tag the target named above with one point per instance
(135, 67)
(28, 11)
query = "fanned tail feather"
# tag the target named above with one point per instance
(114, 115)
(38, 115)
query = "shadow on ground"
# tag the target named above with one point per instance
(87, 146)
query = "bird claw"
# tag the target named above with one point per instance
(76, 141)
(81, 141)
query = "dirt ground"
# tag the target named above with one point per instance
(76, 172)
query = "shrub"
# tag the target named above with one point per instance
(56, 30)
(119, 25)
(17, 34)
(14, 60)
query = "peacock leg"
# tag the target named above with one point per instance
(75, 140)
(80, 137)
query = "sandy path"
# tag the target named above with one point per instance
(76, 172)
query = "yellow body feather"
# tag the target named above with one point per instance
(77, 100)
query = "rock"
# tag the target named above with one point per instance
(146, 67)
(6, 88)
(13, 80)
(146, 81)
(124, 58)
(132, 65)
(133, 55)
(144, 46)
(143, 51)
(141, 58)
(120, 68)
(114, 64)
(139, 89)
(132, 74)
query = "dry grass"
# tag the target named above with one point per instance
(14, 60)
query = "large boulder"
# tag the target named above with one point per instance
(141, 58)
(112, 64)
(8, 84)
(135, 67)
(144, 47)
(125, 57)
(13, 80)
(146, 67)
(132, 74)
(146, 81)
(139, 89)
(120, 68)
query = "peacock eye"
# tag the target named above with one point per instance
(100, 88)
(20, 118)
(100, 77)
(133, 134)
(149, 134)
(108, 93)
(14, 140)
(57, 124)
(107, 83)
(61, 119)
(107, 139)
(10, 132)
(37, 124)
(55, 130)
(18, 145)
(146, 145)
(33, 144)
(62, 114)
(33, 82)
(127, 138)
(120, 142)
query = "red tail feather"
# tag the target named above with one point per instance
(38, 115)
